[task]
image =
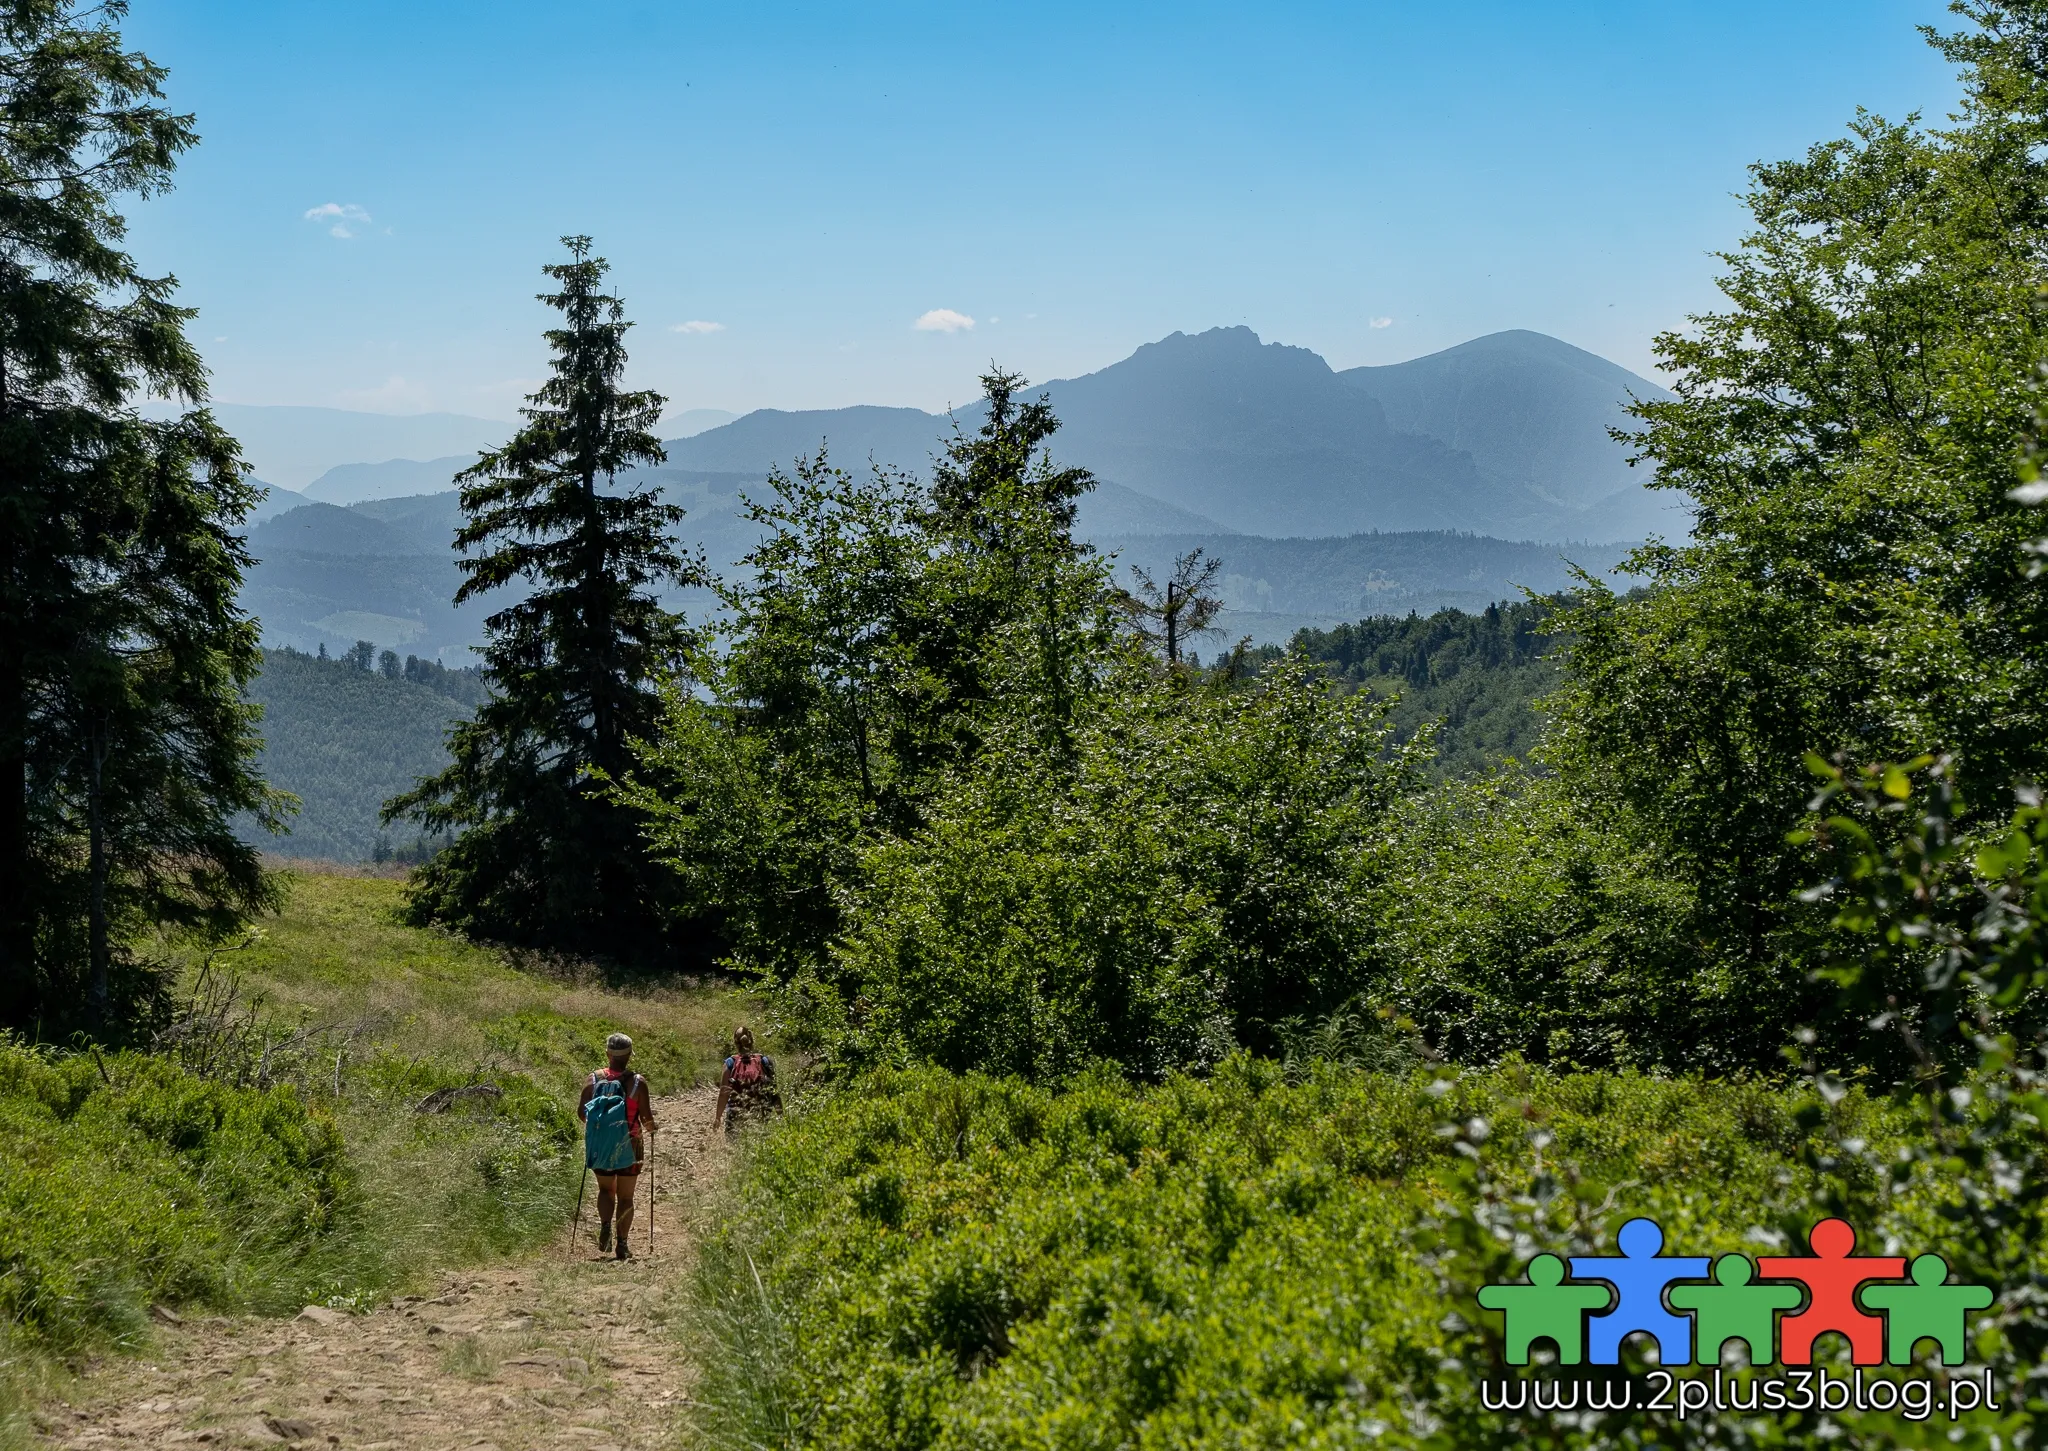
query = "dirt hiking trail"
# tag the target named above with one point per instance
(544, 1352)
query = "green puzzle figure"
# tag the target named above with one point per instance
(1733, 1309)
(1545, 1308)
(1928, 1309)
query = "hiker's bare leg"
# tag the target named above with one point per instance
(626, 1183)
(607, 1202)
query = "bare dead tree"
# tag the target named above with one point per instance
(1171, 616)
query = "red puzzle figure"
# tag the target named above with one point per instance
(1831, 1277)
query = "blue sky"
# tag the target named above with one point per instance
(378, 183)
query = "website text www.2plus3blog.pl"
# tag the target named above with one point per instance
(1915, 1398)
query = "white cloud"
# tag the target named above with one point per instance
(944, 320)
(1382, 322)
(342, 217)
(698, 325)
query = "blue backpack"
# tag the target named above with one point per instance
(607, 1136)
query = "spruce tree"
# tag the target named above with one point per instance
(543, 855)
(1019, 604)
(126, 747)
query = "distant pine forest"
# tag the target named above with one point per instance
(346, 732)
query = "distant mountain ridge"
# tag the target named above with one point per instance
(1454, 479)
(396, 478)
(294, 446)
(1505, 436)
(1533, 413)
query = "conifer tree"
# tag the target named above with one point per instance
(126, 746)
(544, 854)
(1019, 603)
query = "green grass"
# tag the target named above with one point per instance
(274, 1176)
(338, 955)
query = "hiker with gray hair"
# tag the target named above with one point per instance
(618, 1118)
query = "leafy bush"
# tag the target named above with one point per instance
(1512, 919)
(927, 1260)
(1181, 880)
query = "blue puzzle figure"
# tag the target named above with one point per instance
(1639, 1275)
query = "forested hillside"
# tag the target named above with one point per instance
(1473, 678)
(346, 735)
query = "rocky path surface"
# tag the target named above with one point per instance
(560, 1350)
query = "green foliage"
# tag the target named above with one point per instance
(1951, 975)
(882, 631)
(925, 1260)
(1848, 430)
(818, 718)
(544, 854)
(125, 745)
(1511, 922)
(344, 740)
(1185, 875)
(283, 1175)
(127, 1181)
(173, 1188)
(1479, 678)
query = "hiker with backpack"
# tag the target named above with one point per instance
(618, 1118)
(748, 1083)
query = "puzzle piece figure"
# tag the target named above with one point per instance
(1832, 1275)
(1928, 1309)
(1544, 1309)
(1639, 1276)
(1733, 1309)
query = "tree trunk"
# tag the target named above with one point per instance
(97, 743)
(18, 977)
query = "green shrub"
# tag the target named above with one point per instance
(926, 1260)
(128, 1181)
(1513, 918)
(147, 1184)
(1185, 882)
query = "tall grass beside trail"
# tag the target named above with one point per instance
(1262, 1259)
(271, 1153)
(339, 955)
(127, 1181)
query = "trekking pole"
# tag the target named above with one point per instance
(652, 1139)
(576, 1224)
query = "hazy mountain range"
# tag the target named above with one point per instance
(1329, 494)
(1506, 435)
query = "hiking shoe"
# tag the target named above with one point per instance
(604, 1238)
(624, 1252)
